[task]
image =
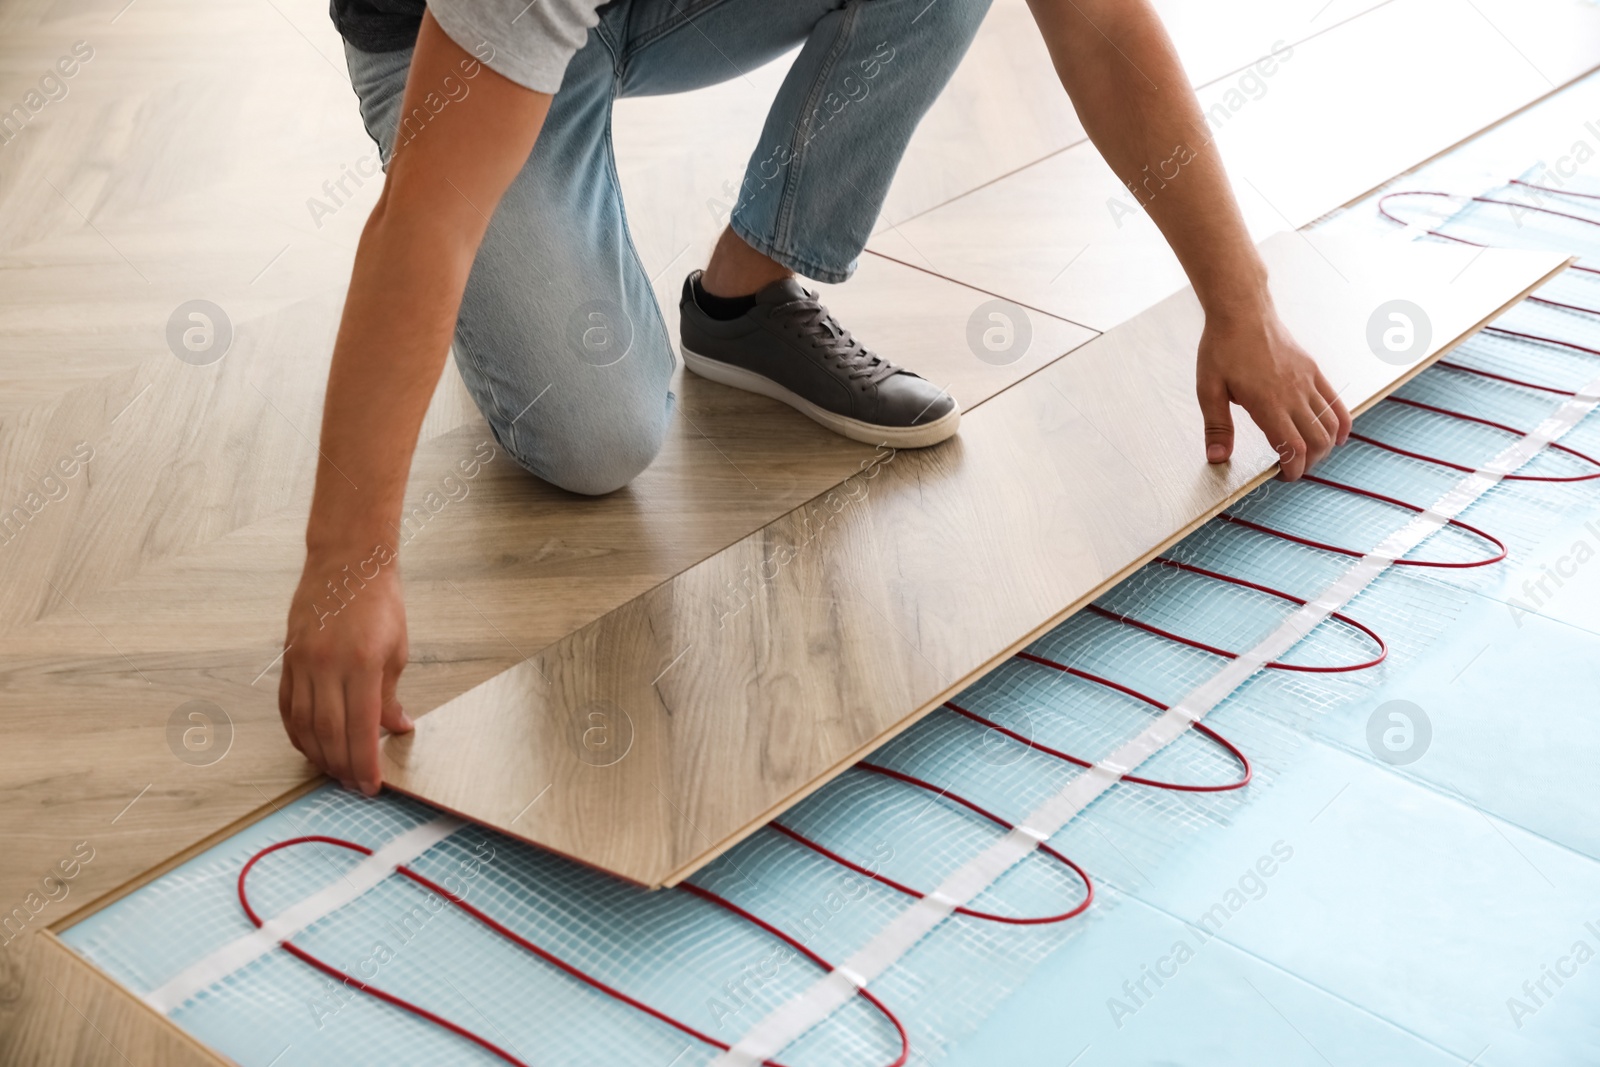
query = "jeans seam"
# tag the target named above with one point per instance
(784, 223)
(613, 46)
(627, 231)
(361, 108)
(467, 354)
(828, 275)
(646, 40)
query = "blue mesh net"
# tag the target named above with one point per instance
(720, 974)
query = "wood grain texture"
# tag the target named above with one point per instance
(91, 673)
(77, 1014)
(80, 1017)
(652, 739)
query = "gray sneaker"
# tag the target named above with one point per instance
(789, 348)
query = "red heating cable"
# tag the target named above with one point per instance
(1464, 417)
(901, 776)
(1318, 479)
(543, 954)
(1227, 746)
(1560, 192)
(1461, 240)
(1480, 372)
(816, 959)
(1383, 649)
(1541, 339)
(1549, 189)
(1482, 200)
(1534, 298)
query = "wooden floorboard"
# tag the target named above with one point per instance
(92, 672)
(79, 1017)
(650, 740)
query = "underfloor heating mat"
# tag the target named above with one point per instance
(394, 935)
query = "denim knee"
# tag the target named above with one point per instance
(586, 455)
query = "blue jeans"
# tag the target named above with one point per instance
(559, 338)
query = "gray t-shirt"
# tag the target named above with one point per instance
(529, 43)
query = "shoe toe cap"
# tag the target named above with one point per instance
(908, 400)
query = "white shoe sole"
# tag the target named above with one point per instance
(920, 436)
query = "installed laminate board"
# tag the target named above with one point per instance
(650, 740)
(1555, 132)
(730, 452)
(1314, 135)
(79, 1016)
(680, 176)
(167, 169)
(1213, 47)
(1003, 109)
(1318, 131)
(92, 673)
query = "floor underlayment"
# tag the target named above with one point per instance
(1411, 876)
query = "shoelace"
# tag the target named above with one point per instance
(824, 331)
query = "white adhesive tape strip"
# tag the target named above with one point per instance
(242, 951)
(792, 1019)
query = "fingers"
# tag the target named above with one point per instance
(1213, 395)
(1325, 422)
(1341, 414)
(1328, 417)
(363, 700)
(286, 702)
(301, 715)
(393, 716)
(1316, 435)
(1285, 438)
(328, 726)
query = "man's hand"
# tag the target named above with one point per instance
(346, 642)
(1253, 362)
(345, 649)
(1133, 97)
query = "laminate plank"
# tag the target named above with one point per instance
(76, 1015)
(660, 734)
(1319, 135)
(1551, 131)
(93, 669)
(733, 462)
(1003, 109)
